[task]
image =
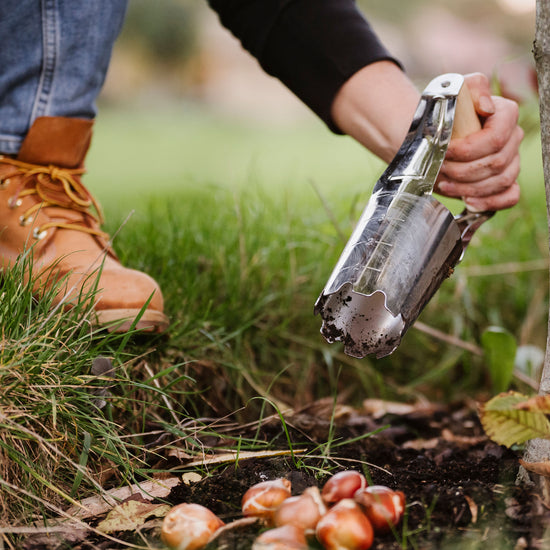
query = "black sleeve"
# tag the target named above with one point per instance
(312, 46)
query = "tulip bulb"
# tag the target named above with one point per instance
(303, 511)
(343, 485)
(286, 537)
(264, 498)
(189, 527)
(345, 527)
(383, 506)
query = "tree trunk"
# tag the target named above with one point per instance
(539, 449)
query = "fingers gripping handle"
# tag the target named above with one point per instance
(466, 122)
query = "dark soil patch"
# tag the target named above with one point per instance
(460, 486)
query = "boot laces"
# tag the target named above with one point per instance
(57, 187)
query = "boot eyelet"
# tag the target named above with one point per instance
(14, 203)
(39, 235)
(4, 183)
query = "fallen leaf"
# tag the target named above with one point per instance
(377, 408)
(462, 439)
(506, 424)
(419, 444)
(539, 468)
(97, 505)
(130, 515)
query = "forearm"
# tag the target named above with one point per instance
(375, 107)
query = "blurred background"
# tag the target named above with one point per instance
(176, 51)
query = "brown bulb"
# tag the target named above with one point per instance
(343, 485)
(189, 527)
(286, 537)
(303, 511)
(264, 498)
(345, 527)
(383, 506)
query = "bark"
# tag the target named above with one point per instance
(539, 449)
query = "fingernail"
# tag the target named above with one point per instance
(486, 105)
(471, 206)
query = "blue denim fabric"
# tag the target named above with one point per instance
(53, 60)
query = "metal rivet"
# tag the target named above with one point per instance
(445, 84)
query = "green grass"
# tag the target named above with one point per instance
(225, 217)
(246, 252)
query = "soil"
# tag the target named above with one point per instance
(461, 488)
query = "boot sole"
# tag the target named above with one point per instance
(121, 320)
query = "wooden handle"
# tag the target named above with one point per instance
(466, 121)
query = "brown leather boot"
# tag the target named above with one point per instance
(44, 206)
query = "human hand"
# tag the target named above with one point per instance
(483, 167)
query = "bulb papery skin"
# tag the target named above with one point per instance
(345, 527)
(286, 537)
(383, 506)
(262, 499)
(303, 511)
(343, 485)
(189, 527)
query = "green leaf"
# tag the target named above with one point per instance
(500, 351)
(506, 423)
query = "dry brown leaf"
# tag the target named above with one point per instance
(377, 408)
(130, 515)
(100, 504)
(539, 468)
(462, 439)
(419, 444)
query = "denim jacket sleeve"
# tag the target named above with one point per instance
(312, 46)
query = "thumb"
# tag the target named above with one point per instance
(480, 90)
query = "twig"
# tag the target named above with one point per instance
(448, 338)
